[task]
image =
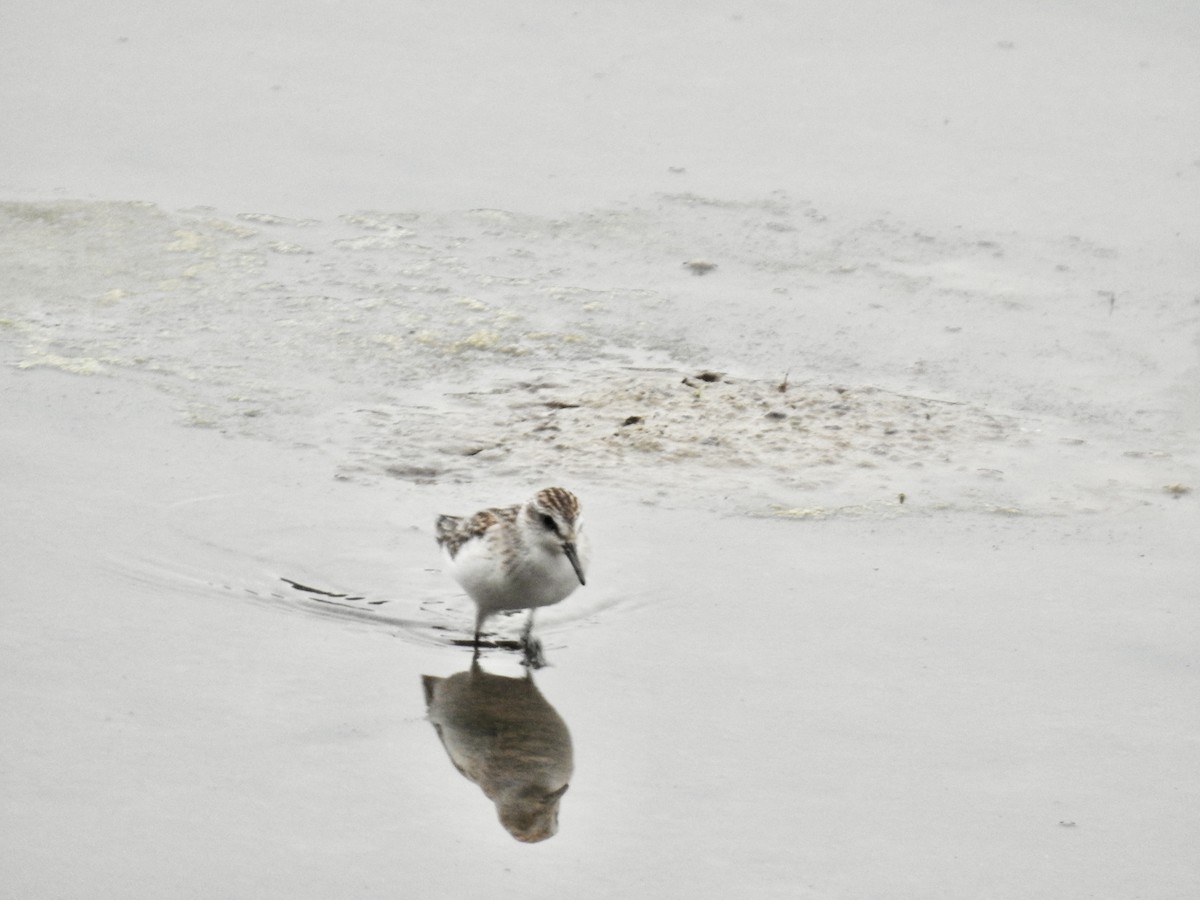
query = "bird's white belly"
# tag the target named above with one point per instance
(539, 579)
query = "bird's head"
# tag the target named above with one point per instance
(557, 520)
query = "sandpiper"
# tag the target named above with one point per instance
(517, 557)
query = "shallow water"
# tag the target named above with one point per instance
(869, 342)
(893, 518)
(845, 707)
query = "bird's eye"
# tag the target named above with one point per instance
(550, 524)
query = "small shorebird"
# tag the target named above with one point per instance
(517, 557)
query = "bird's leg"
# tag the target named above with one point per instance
(527, 633)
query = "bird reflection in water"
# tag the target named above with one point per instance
(502, 734)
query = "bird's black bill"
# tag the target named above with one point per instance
(569, 549)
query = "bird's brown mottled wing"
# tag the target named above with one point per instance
(454, 531)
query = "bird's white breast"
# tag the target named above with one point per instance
(498, 579)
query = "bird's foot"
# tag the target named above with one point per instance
(531, 650)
